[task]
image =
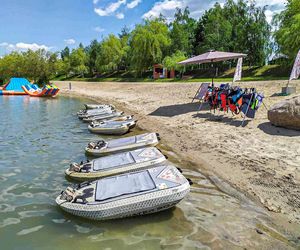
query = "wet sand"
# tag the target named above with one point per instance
(260, 160)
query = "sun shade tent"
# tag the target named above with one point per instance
(211, 57)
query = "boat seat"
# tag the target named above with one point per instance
(117, 186)
(113, 161)
(121, 142)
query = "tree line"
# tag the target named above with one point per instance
(237, 26)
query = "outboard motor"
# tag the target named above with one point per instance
(74, 167)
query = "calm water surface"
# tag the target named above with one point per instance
(38, 140)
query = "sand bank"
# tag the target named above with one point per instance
(259, 159)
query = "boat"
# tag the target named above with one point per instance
(102, 117)
(112, 127)
(100, 148)
(130, 194)
(94, 112)
(35, 91)
(135, 160)
(98, 106)
(128, 120)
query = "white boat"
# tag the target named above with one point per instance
(135, 160)
(125, 195)
(112, 127)
(93, 112)
(98, 106)
(101, 117)
(100, 148)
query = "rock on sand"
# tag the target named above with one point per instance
(286, 113)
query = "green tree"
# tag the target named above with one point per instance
(93, 50)
(111, 53)
(65, 53)
(238, 27)
(149, 44)
(78, 61)
(287, 35)
(182, 31)
(171, 62)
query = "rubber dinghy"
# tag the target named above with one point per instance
(112, 127)
(135, 160)
(100, 148)
(130, 194)
(102, 117)
(98, 106)
(92, 112)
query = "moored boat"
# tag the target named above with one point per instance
(113, 126)
(94, 112)
(110, 128)
(102, 117)
(100, 148)
(125, 195)
(135, 160)
(98, 106)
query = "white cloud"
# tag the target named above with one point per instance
(110, 9)
(133, 4)
(120, 16)
(198, 7)
(24, 46)
(95, 1)
(70, 41)
(99, 29)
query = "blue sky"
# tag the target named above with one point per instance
(53, 24)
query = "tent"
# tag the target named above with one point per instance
(14, 86)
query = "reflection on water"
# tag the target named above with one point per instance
(40, 137)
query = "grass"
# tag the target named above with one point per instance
(265, 73)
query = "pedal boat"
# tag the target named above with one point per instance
(130, 194)
(100, 148)
(135, 160)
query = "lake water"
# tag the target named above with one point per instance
(39, 138)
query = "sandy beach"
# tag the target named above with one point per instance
(260, 160)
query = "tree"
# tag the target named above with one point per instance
(238, 26)
(65, 53)
(182, 32)
(93, 50)
(149, 44)
(287, 34)
(110, 55)
(171, 62)
(78, 61)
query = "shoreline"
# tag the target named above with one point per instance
(195, 138)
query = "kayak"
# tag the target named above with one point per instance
(130, 194)
(100, 148)
(135, 160)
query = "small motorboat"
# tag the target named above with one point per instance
(98, 106)
(128, 120)
(135, 160)
(93, 112)
(112, 127)
(100, 148)
(130, 194)
(102, 117)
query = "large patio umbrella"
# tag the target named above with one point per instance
(211, 57)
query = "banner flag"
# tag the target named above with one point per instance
(296, 68)
(238, 70)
